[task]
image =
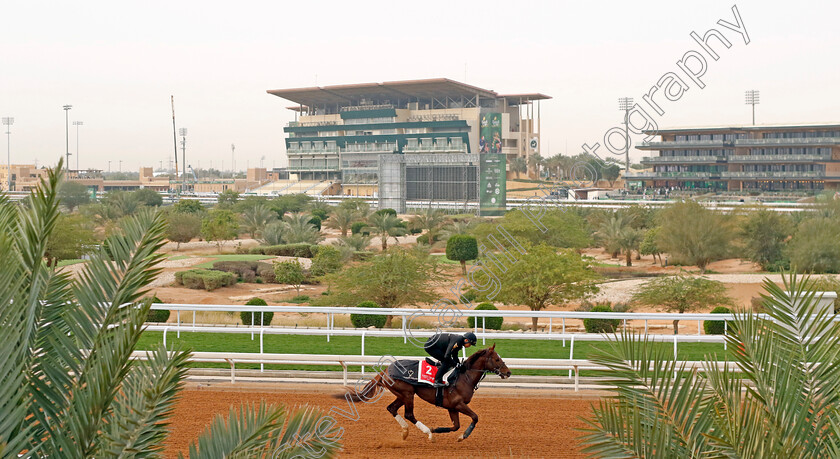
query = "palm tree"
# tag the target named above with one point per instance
(610, 232)
(342, 219)
(629, 239)
(358, 242)
(298, 229)
(457, 227)
(68, 384)
(385, 225)
(518, 165)
(779, 400)
(535, 161)
(256, 217)
(430, 220)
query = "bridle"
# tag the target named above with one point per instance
(497, 371)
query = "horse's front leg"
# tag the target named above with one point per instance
(456, 423)
(463, 408)
(409, 414)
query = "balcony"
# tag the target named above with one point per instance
(792, 142)
(669, 175)
(784, 175)
(684, 144)
(370, 148)
(318, 168)
(778, 158)
(683, 159)
(312, 151)
(435, 148)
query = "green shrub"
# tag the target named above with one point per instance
(206, 279)
(424, 239)
(357, 228)
(364, 320)
(469, 296)
(386, 212)
(266, 272)
(601, 325)
(490, 323)
(299, 299)
(246, 270)
(285, 250)
(157, 315)
(716, 327)
(247, 317)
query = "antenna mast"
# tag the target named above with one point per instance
(175, 137)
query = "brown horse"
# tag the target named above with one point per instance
(456, 396)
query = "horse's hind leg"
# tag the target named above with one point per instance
(393, 408)
(409, 414)
(456, 424)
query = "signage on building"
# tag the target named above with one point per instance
(492, 189)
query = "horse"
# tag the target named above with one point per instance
(456, 396)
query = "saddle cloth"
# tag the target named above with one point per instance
(416, 372)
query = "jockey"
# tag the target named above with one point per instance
(445, 347)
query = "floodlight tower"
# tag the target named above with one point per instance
(77, 124)
(752, 97)
(67, 132)
(8, 121)
(232, 149)
(626, 103)
(183, 133)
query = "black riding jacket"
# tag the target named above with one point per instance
(445, 347)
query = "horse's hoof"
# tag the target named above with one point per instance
(405, 433)
(461, 438)
(431, 438)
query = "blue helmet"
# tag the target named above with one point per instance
(470, 336)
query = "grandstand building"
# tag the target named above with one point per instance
(340, 132)
(744, 158)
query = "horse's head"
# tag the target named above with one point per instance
(494, 363)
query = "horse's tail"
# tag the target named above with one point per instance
(368, 392)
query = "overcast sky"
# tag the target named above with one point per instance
(118, 65)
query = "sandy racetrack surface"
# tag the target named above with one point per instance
(507, 427)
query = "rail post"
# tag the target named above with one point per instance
(572, 353)
(329, 326)
(483, 330)
(252, 325)
(363, 350)
(165, 329)
(262, 365)
(193, 319)
(179, 323)
(564, 332)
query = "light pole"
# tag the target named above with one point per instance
(183, 133)
(109, 166)
(751, 97)
(77, 124)
(67, 132)
(120, 169)
(232, 148)
(8, 122)
(626, 103)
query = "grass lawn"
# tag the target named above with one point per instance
(70, 262)
(441, 258)
(289, 344)
(177, 257)
(215, 258)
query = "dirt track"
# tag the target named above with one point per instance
(507, 427)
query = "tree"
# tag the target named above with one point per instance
(188, 206)
(254, 218)
(609, 171)
(564, 229)
(694, 234)
(328, 260)
(289, 203)
(764, 233)
(73, 194)
(290, 272)
(430, 220)
(182, 227)
(70, 387)
(227, 199)
(462, 248)
(342, 218)
(814, 247)
(122, 203)
(74, 239)
(358, 242)
(649, 245)
(629, 240)
(543, 277)
(535, 161)
(778, 402)
(147, 197)
(682, 294)
(518, 165)
(391, 279)
(298, 229)
(220, 225)
(385, 226)
(610, 232)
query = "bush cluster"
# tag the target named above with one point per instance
(286, 250)
(206, 279)
(716, 327)
(490, 323)
(601, 325)
(357, 228)
(248, 316)
(157, 315)
(364, 320)
(248, 271)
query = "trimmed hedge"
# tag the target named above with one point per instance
(490, 323)
(357, 228)
(716, 327)
(157, 315)
(386, 212)
(255, 315)
(206, 279)
(286, 250)
(248, 271)
(364, 320)
(601, 325)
